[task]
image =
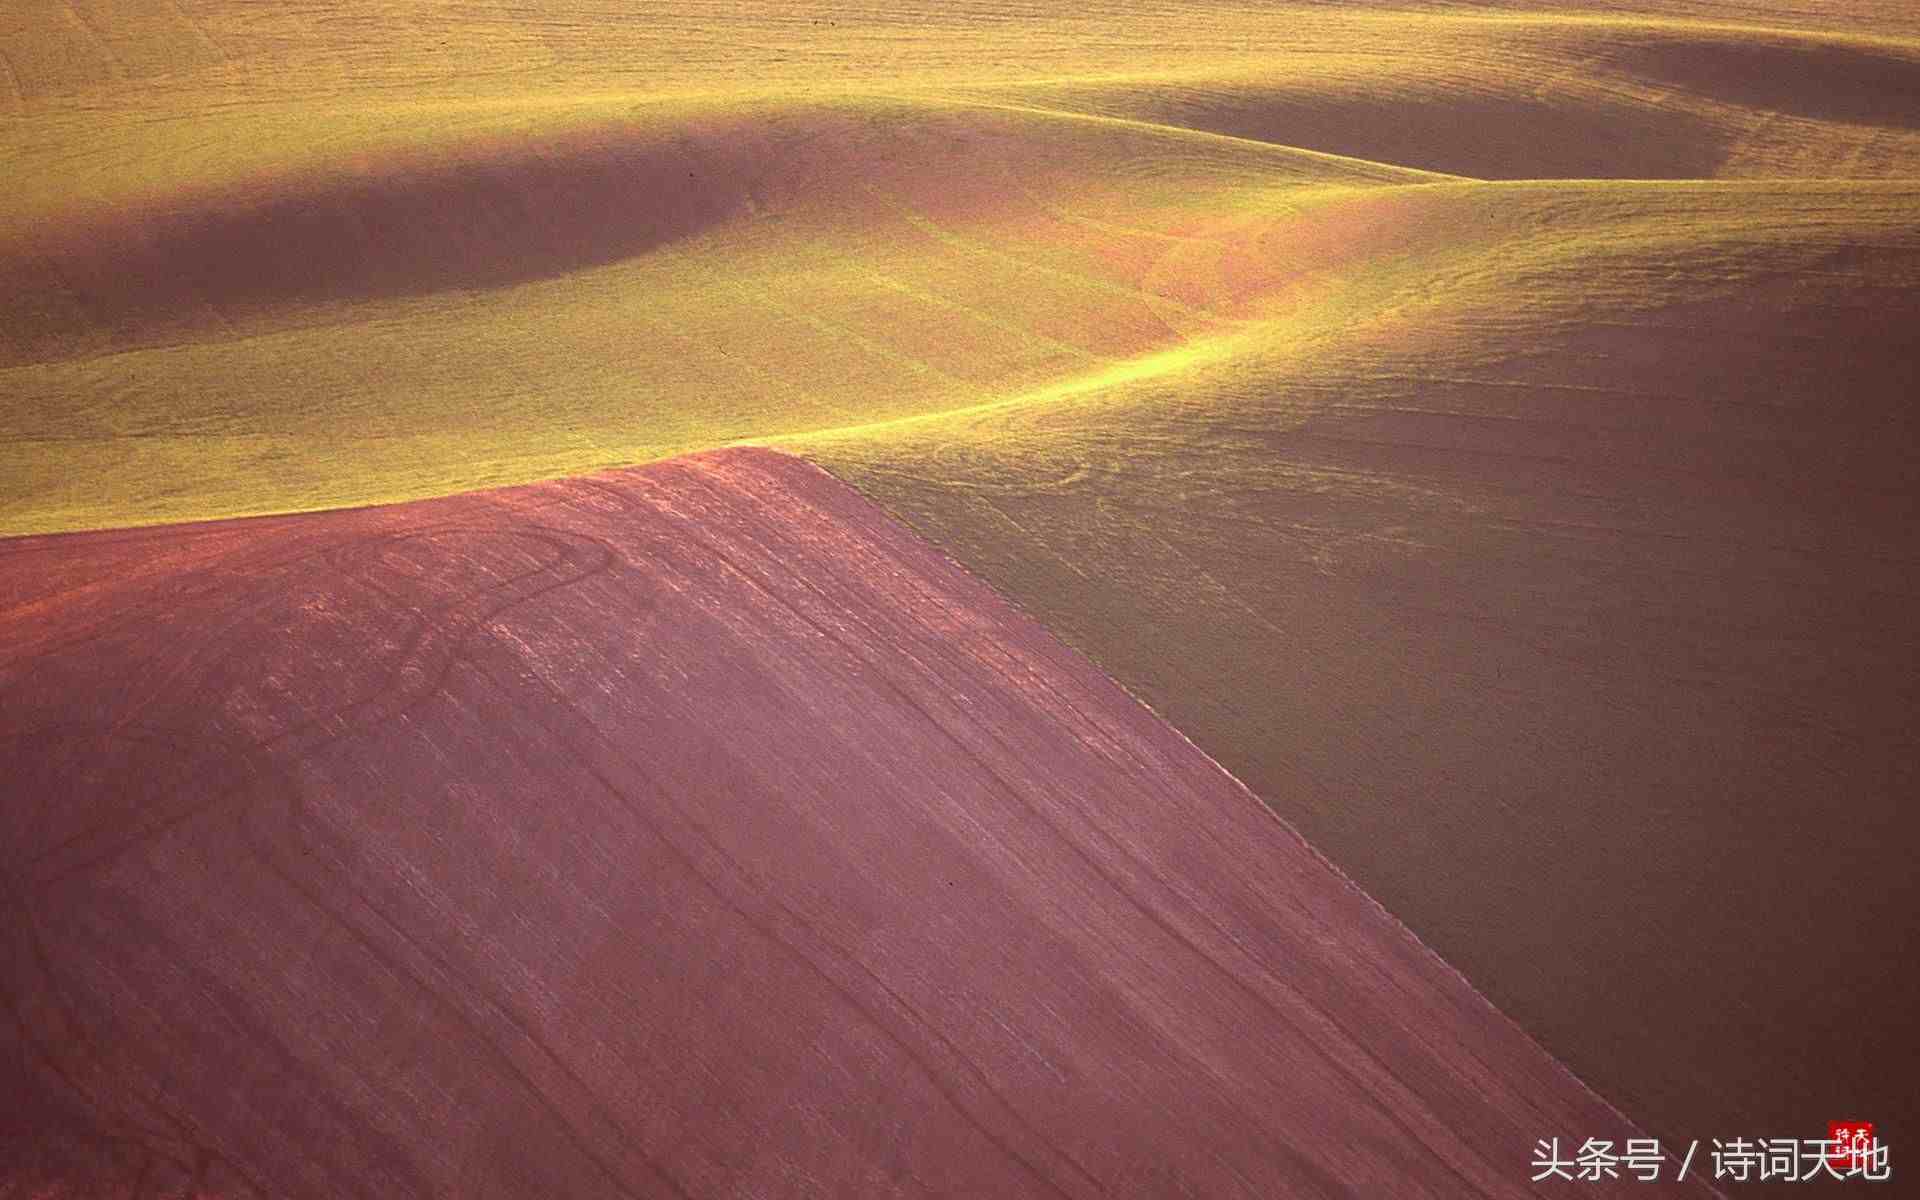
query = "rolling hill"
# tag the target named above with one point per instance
(691, 830)
(1486, 430)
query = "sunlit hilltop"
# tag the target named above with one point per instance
(269, 259)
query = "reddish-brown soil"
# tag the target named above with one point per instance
(692, 830)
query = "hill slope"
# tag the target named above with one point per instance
(693, 830)
(1577, 621)
(260, 260)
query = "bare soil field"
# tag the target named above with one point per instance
(693, 830)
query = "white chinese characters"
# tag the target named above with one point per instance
(1851, 1152)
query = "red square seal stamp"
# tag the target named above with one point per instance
(1853, 1143)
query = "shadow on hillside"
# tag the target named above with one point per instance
(1821, 82)
(486, 216)
(1481, 135)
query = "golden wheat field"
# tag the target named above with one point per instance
(1488, 430)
